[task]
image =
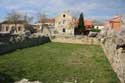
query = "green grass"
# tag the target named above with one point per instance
(57, 62)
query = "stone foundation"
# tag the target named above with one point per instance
(20, 43)
(76, 40)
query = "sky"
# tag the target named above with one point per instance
(92, 9)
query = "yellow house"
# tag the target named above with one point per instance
(115, 23)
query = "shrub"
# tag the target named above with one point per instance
(95, 30)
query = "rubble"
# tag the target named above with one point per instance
(26, 81)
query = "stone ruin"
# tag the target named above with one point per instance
(113, 43)
(26, 81)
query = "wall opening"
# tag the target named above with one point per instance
(64, 30)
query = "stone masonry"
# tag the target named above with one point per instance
(26, 81)
(113, 44)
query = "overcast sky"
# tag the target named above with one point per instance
(92, 9)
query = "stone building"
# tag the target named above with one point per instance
(49, 22)
(64, 24)
(37, 27)
(45, 26)
(8, 26)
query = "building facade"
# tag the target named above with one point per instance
(45, 26)
(100, 27)
(64, 24)
(7, 27)
(49, 22)
(115, 22)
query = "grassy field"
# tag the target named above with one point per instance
(56, 63)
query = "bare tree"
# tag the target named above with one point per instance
(28, 20)
(41, 17)
(14, 17)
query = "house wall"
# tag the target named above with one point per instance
(99, 27)
(64, 24)
(8, 27)
(115, 22)
(115, 25)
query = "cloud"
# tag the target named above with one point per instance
(91, 8)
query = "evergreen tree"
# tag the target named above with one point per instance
(81, 26)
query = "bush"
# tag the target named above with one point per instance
(95, 30)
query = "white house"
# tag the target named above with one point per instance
(99, 27)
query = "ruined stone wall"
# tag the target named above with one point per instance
(27, 81)
(76, 40)
(114, 46)
(19, 43)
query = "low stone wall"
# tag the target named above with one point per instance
(76, 40)
(28, 42)
(115, 52)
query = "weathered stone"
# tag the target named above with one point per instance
(67, 82)
(26, 81)
(113, 43)
(92, 34)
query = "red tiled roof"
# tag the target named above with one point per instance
(86, 22)
(48, 20)
(115, 19)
